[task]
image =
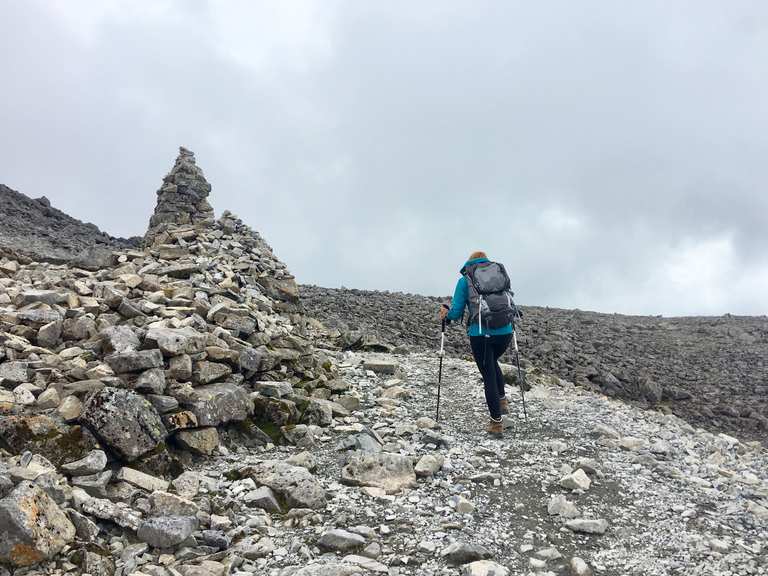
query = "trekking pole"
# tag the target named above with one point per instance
(520, 381)
(440, 369)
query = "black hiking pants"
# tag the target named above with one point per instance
(487, 350)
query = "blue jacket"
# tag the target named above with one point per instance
(460, 301)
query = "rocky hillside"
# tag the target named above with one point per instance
(710, 371)
(32, 230)
(175, 412)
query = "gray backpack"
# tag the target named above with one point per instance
(490, 298)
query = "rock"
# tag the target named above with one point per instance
(94, 563)
(49, 297)
(166, 504)
(587, 526)
(326, 569)
(576, 481)
(49, 335)
(94, 484)
(279, 412)
(220, 522)
(547, 554)
(14, 372)
(93, 463)
(34, 528)
(142, 480)
(43, 435)
(304, 459)
(559, 506)
(391, 472)
(107, 510)
(48, 399)
(273, 389)
(429, 465)
(459, 553)
(650, 390)
(23, 396)
(425, 423)
(217, 404)
(263, 498)
(85, 528)
(187, 484)
(180, 368)
(484, 568)
(176, 341)
(119, 339)
(381, 365)
(579, 567)
(151, 381)
(207, 372)
(340, 540)
(631, 444)
(70, 408)
(719, 545)
(166, 531)
(80, 389)
(296, 486)
(182, 420)
(366, 563)
(163, 404)
(202, 441)
(463, 506)
(124, 421)
(255, 360)
(134, 361)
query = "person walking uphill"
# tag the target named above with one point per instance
(484, 290)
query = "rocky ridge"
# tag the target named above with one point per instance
(33, 230)
(709, 371)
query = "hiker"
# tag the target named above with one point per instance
(484, 289)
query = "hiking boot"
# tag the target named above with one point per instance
(495, 427)
(504, 405)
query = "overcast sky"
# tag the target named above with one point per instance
(614, 155)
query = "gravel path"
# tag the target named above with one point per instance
(676, 500)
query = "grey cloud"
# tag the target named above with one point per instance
(610, 154)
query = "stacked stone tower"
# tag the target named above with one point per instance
(182, 199)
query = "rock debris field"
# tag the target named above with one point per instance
(169, 408)
(711, 371)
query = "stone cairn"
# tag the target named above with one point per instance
(115, 379)
(182, 199)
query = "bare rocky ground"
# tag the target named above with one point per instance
(663, 497)
(710, 371)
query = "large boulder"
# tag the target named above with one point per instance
(216, 404)
(34, 528)
(294, 485)
(125, 421)
(390, 472)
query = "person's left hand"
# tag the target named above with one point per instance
(443, 312)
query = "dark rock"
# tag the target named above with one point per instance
(125, 421)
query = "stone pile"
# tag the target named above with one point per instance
(710, 371)
(121, 376)
(183, 197)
